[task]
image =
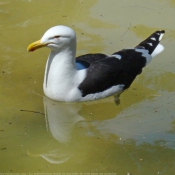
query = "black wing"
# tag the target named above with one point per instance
(86, 60)
(120, 68)
(110, 71)
(90, 58)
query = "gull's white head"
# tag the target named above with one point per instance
(57, 38)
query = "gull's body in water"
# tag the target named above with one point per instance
(91, 76)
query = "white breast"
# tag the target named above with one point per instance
(61, 81)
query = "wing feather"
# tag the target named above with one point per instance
(104, 73)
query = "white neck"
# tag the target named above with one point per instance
(61, 76)
(59, 64)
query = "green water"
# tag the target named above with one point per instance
(39, 136)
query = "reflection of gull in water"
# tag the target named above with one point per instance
(61, 118)
(138, 122)
(56, 156)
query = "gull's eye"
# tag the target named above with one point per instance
(56, 36)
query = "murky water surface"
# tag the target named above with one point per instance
(38, 135)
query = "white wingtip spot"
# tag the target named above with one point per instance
(161, 35)
(150, 44)
(153, 38)
(157, 50)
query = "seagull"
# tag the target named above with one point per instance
(91, 76)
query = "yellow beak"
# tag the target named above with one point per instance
(36, 45)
